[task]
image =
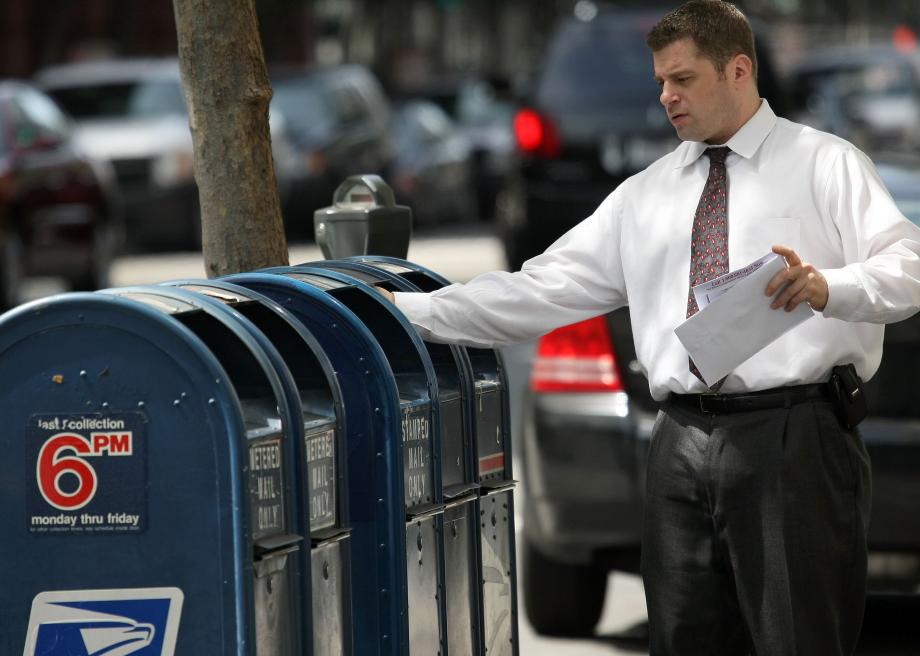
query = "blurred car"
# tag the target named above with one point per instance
(588, 418)
(869, 95)
(132, 113)
(592, 119)
(483, 111)
(337, 120)
(432, 171)
(59, 212)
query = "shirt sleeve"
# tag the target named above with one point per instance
(578, 277)
(880, 280)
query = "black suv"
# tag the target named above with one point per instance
(593, 118)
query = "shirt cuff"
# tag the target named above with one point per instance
(843, 293)
(417, 308)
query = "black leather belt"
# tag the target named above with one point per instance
(779, 397)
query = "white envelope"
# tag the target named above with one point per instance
(738, 324)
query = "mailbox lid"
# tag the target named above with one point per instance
(459, 471)
(318, 391)
(415, 377)
(492, 417)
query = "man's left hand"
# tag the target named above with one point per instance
(806, 283)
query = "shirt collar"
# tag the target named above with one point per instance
(745, 141)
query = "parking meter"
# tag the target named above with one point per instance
(363, 218)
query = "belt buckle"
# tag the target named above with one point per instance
(706, 395)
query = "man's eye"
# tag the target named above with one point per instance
(683, 80)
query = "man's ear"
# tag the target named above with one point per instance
(740, 68)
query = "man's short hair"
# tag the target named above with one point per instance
(718, 28)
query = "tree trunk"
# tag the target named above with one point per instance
(228, 92)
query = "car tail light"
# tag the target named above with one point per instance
(577, 358)
(536, 134)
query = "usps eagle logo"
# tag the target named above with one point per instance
(138, 622)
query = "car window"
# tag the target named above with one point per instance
(596, 61)
(122, 99)
(349, 105)
(305, 106)
(158, 98)
(421, 122)
(477, 104)
(854, 80)
(37, 118)
(5, 145)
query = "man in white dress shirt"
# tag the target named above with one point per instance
(758, 497)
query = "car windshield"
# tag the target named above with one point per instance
(600, 61)
(857, 80)
(305, 106)
(147, 99)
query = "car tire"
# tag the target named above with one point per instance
(11, 270)
(561, 599)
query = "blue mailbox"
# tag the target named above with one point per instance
(493, 439)
(419, 410)
(385, 621)
(458, 472)
(320, 474)
(147, 488)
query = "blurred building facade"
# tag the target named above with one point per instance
(405, 41)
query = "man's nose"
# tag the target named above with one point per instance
(667, 96)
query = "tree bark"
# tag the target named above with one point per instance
(228, 92)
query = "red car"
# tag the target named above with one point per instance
(59, 212)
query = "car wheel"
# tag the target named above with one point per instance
(96, 275)
(11, 268)
(561, 599)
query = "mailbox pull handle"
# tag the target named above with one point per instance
(272, 544)
(423, 511)
(494, 487)
(460, 490)
(331, 534)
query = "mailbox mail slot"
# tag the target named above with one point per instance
(375, 488)
(150, 511)
(320, 476)
(499, 566)
(420, 434)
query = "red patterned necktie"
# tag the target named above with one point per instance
(709, 241)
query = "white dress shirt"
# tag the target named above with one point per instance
(787, 184)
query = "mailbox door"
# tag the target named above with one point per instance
(461, 559)
(331, 617)
(498, 573)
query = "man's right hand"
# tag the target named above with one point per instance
(386, 294)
